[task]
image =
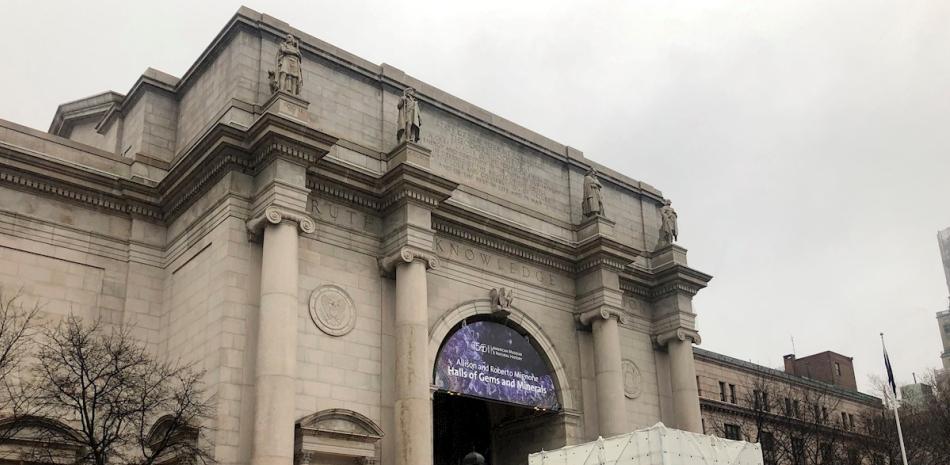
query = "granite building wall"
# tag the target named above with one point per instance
(152, 218)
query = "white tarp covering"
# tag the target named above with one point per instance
(657, 445)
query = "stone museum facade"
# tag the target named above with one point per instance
(809, 413)
(314, 230)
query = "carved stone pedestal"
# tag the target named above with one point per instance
(288, 106)
(595, 226)
(409, 152)
(670, 254)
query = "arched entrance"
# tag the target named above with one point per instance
(497, 391)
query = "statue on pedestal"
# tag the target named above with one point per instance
(410, 118)
(289, 75)
(593, 204)
(669, 231)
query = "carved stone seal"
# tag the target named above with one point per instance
(332, 310)
(632, 385)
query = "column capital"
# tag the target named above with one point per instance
(408, 254)
(605, 313)
(680, 334)
(277, 215)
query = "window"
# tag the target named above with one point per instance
(946, 328)
(796, 409)
(853, 457)
(732, 432)
(837, 369)
(851, 420)
(824, 413)
(761, 400)
(699, 390)
(732, 393)
(722, 391)
(798, 451)
(844, 420)
(827, 454)
(768, 447)
(788, 407)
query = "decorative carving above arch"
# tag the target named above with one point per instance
(32, 439)
(337, 432)
(440, 330)
(181, 444)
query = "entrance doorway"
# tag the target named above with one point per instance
(503, 433)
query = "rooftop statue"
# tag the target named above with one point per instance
(410, 119)
(289, 76)
(669, 231)
(593, 199)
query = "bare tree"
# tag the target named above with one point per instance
(795, 425)
(16, 332)
(925, 425)
(128, 408)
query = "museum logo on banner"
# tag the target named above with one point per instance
(492, 361)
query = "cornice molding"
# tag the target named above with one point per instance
(602, 252)
(601, 260)
(203, 175)
(483, 239)
(330, 187)
(223, 149)
(772, 418)
(656, 284)
(71, 192)
(409, 183)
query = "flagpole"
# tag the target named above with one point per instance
(897, 417)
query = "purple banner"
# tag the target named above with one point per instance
(492, 361)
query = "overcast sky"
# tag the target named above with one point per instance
(806, 145)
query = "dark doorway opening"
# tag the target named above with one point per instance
(501, 432)
(461, 425)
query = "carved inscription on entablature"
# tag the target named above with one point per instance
(484, 161)
(343, 216)
(499, 264)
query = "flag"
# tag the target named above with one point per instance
(890, 372)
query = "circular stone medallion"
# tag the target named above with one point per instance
(332, 310)
(631, 379)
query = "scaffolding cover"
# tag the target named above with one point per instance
(656, 445)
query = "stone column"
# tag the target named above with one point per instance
(413, 406)
(683, 379)
(611, 403)
(276, 358)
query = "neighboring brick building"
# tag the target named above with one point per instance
(829, 367)
(792, 416)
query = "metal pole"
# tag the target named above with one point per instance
(900, 435)
(897, 418)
